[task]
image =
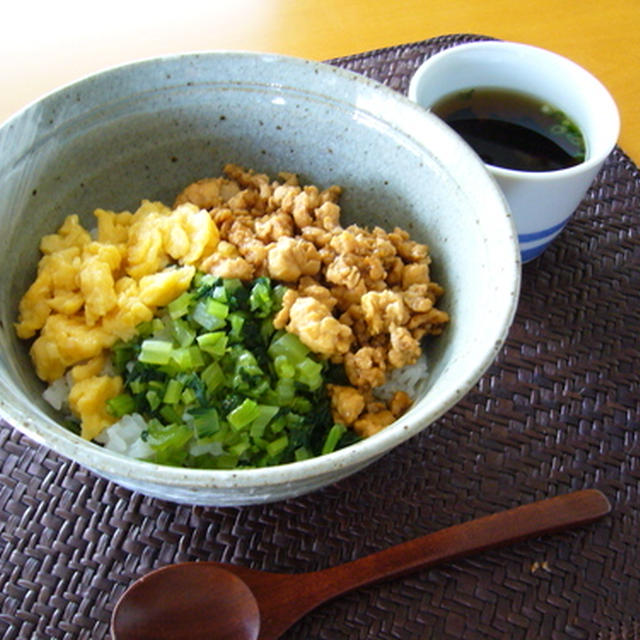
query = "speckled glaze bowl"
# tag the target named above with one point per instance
(147, 129)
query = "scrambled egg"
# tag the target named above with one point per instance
(91, 291)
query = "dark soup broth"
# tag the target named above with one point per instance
(513, 130)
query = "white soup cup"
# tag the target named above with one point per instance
(541, 202)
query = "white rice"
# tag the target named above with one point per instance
(57, 394)
(124, 437)
(410, 379)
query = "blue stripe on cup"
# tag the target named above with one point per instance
(539, 235)
(529, 253)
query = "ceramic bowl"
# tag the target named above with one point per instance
(146, 129)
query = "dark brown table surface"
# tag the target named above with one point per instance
(557, 411)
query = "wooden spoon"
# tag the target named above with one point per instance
(217, 601)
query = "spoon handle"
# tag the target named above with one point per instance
(530, 520)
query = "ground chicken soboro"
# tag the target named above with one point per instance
(360, 297)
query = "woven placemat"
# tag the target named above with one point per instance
(557, 411)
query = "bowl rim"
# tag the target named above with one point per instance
(357, 455)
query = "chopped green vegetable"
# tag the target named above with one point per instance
(155, 351)
(214, 343)
(261, 299)
(276, 447)
(180, 306)
(288, 345)
(243, 414)
(213, 376)
(205, 421)
(121, 405)
(220, 388)
(333, 437)
(172, 392)
(181, 332)
(217, 309)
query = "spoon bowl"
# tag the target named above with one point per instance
(218, 601)
(231, 608)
